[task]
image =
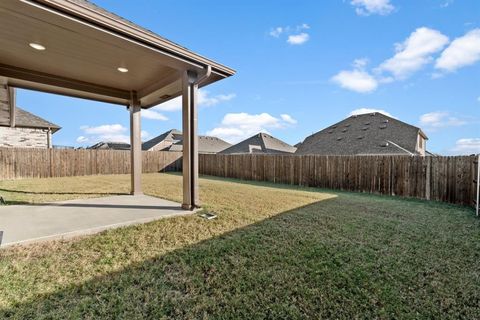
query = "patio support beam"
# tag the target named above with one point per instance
(135, 145)
(12, 101)
(190, 140)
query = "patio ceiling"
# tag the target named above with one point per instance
(84, 47)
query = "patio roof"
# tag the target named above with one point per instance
(72, 47)
(84, 47)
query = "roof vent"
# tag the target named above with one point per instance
(373, 114)
(347, 125)
(360, 137)
(339, 138)
(330, 131)
(383, 145)
(365, 128)
(367, 123)
(385, 121)
(344, 130)
(383, 126)
(333, 127)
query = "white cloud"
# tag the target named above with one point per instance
(106, 133)
(463, 51)
(276, 32)
(440, 119)
(288, 118)
(415, 52)
(204, 100)
(446, 3)
(368, 7)
(104, 129)
(369, 110)
(153, 115)
(356, 80)
(467, 146)
(82, 139)
(295, 35)
(239, 126)
(297, 39)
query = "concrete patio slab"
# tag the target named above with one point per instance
(58, 220)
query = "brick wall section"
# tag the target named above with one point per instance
(23, 138)
(4, 106)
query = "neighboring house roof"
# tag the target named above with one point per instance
(372, 133)
(110, 146)
(25, 119)
(172, 140)
(172, 136)
(206, 144)
(260, 143)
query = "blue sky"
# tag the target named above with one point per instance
(303, 65)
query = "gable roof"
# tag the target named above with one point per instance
(111, 146)
(206, 144)
(25, 119)
(260, 143)
(371, 133)
(172, 136)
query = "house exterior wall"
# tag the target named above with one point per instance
(421, 145)
(23, 138)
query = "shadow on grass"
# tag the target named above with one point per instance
(322, 260)
(279, 185)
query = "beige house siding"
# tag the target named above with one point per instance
(421, 145)
(23, 137)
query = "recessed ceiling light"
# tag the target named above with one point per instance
(37, 46)
(122, 69)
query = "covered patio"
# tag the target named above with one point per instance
(24, 224)
(74, 48)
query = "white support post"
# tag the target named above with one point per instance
(190, 141)
(135, 145)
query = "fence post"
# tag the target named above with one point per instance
(50, 153)
(478, 185)
(427, 178)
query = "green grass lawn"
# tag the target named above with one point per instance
(274, 252)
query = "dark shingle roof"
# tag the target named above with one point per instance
(372, 133)
(206, 144)
(25, 119)
(172, 136)
(260, 143)
(111, 146)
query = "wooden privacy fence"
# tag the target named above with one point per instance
(447, 179)
(43, 163)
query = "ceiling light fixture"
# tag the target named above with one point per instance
(37, 46)
(122, 69)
